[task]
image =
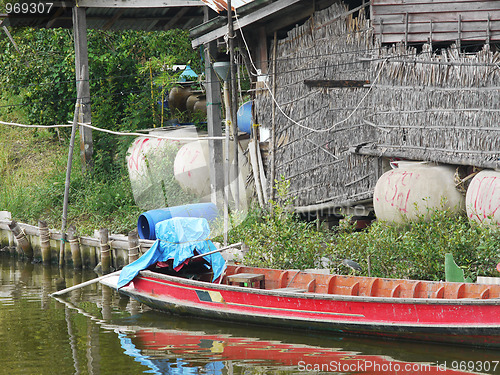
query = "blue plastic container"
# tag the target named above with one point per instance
(244, 117)
(148, 220)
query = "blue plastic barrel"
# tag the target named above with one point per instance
(148, 220)
(244, 117)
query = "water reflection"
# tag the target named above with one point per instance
(170, 344)
(95, 330)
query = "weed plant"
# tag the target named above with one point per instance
(32, 178)
(415, 250)
(277, 238)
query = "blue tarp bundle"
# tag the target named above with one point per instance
(177, 239)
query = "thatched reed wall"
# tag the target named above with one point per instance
(423, 106)
(441, 107)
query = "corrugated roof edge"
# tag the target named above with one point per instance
(221, 5)
(219, 21)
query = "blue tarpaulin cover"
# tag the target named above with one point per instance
(177, 239)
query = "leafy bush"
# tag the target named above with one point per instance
(417, 250)
(278, 239)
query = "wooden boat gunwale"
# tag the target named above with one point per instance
(322, 296)
(464, 321)
(194, 309)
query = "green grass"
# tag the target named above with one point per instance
(32, 177)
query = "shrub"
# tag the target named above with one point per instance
(278, 239)
(417, 250)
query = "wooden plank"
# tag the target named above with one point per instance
(439, 37)
(405, 2)
(138, 3)
(332, 83)
(244, 21)
(443, 27)
(437, 7)
(435, 17)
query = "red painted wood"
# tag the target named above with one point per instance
(457, 312)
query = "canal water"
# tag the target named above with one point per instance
(94, 330)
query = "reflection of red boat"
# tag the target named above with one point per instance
(214, 347)
(420, 310)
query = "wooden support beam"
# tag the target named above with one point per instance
(105, 251)
(264, 12)
(74, 244)
(23, 243)
(138, 3)
(214, 123)
(54, 18)
(332, 83)
(82, 59)
(180, 13)
(262, 56)
(113, 19)
(134, 246)
(233, 92)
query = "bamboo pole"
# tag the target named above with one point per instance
(133, 246)
(68, 169)
(226, 163)
(234, 103)
(74, 244)
(105, 251)
(217, 251)
(273, 124)
(44, 241)
(23, 244)
(89, 282)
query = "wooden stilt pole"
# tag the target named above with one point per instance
(105, 251)
(273, 125)
(23, 244)
(44, 241)
(74, 244)
(227, 170)
(68, 169)
(233, 103)
(133, 246)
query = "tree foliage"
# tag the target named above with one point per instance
(124, 95)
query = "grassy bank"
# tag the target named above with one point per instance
(32, 176)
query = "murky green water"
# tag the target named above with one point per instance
(96, 331)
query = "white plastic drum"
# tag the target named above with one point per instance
(483, 198)
(191, 168)
(414, 189)
(192, 172)
(144, 159)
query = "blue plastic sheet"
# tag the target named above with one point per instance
(177, 239)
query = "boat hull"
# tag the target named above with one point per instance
(465, 321)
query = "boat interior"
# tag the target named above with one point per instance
(296, 281)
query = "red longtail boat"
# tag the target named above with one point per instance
(451, 312)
